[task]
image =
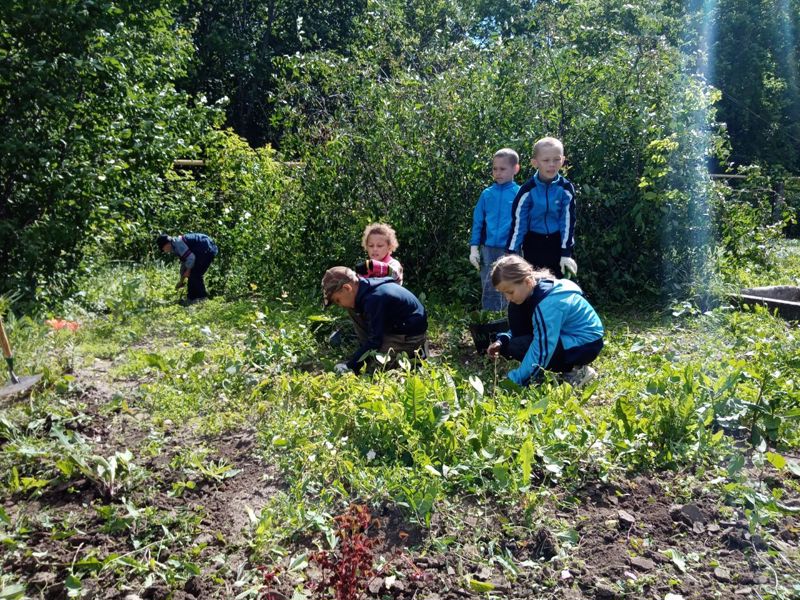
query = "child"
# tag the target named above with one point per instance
(491, 223)
(379, 241)
(195, 251)
(543, 213)
(566, 333)
(386, 315)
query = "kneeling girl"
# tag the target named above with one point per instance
(553, 327)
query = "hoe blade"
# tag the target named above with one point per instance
(12, 390)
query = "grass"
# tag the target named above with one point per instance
(709, 394)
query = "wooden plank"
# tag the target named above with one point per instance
(183, 163)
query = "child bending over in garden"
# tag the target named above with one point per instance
(565, 332)
(543, 213)
(386, 316)
(491, 224)
(195, 251)
(379, 241)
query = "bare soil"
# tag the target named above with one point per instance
(633, 538)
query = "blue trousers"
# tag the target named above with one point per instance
(491, 299)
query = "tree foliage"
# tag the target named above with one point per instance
(405, 132)
(237, 43)
(89, 122)
(391, 110)
(754, 61)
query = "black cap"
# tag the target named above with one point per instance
(162, 240)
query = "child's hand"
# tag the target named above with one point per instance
(493, 351)
(568, 264)
(475, 257)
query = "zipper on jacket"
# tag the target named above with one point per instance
(546, 206)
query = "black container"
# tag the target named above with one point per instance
(484, 334)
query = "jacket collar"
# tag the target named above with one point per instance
(506, 185)
(556, 179)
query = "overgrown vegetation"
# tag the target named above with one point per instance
(209, 451)
(379, 110)
(710, 395)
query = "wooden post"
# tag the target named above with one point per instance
(778, 202)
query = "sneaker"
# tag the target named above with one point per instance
(579, 376)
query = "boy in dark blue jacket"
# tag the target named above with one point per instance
(543, 213)
(195, 251)
(491, 223)
(386, 315)
(566, 333)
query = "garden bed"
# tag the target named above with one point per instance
(782, 298)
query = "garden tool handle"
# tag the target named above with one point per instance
(7, 353)
(4, 341)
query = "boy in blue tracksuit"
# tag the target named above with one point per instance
(195, 251)
(566, 332)
(491, 223)
(387, 316)
(543, 213)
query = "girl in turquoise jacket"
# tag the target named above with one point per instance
(567, 333)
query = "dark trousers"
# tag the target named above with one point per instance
(562, 360)
(543, 251)
(197, 287)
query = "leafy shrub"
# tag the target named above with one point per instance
(91, 122)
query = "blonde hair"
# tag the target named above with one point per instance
(515, 269)
(383, 229)
(548, 142)
(509, 154)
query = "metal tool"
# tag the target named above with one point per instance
(18, 385)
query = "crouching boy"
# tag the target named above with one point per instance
(387, 317)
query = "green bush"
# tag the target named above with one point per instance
(91, 121)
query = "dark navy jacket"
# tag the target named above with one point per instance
(387, 308)
(544, 208)
(189, 246)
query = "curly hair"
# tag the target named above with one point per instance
(383, 229)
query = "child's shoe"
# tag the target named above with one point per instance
(579, 376)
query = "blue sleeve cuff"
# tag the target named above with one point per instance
(504, 338)
(518, 377)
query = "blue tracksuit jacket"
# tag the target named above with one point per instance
(388, 308)
(560, 313)
(544, 208)
(491, 219)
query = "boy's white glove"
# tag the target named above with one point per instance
(568, 264)
(341, 368)
(475, 257)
